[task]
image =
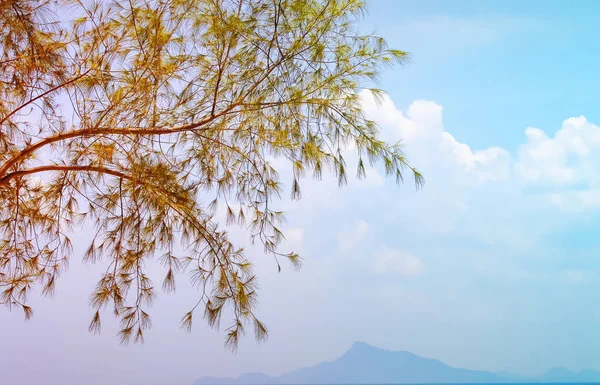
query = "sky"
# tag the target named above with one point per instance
(493, 265)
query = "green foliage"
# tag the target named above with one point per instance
(140, 117)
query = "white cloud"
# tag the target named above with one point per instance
(490, 164)
(563, 167)
(566, 165)
(426, 141)
(397, 263)
(543, 159)
(565, 159)
(350, 238)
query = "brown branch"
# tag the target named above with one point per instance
(43, 94)
(88, 132)
(103, 170)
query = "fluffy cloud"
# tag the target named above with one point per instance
(422, 131)
(564, 167)
(565, 164)
(567, 158)
(473, 198)
(544, 159)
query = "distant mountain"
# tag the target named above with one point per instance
(565, 375)
(365, 364)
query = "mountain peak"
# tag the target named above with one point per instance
(367, 364)
(361, 345)
(362, 350)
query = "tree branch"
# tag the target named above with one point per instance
(103, 170)
(43, 94)
(89, 132)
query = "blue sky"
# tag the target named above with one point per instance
(504, 64)
(493, 265)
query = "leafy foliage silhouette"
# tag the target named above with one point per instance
(140, 117)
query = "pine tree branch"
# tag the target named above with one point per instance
(102, 170)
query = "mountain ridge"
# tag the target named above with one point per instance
(367, 364)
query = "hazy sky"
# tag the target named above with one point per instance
(494, 265)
